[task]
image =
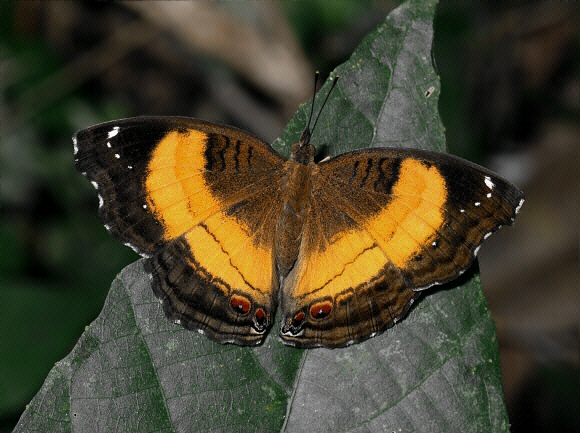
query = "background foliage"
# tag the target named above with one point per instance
(132, 370)
(508, 77)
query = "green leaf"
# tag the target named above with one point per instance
(387, 93)
(436, 371)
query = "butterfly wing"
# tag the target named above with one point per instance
(198, 200)
(385, 224)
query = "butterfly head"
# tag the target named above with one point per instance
(303, 152)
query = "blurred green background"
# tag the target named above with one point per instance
(510, 101)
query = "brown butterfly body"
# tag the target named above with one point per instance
(233, 231)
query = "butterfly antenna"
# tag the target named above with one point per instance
(307, 133)
(313, 97)
(324, 103)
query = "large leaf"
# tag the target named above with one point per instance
(436, 371)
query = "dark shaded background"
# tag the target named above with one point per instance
(510, 100)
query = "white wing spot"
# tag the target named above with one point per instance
(489, 195)
(95, 184)
(477, 203)
(144, 206)
(520, 205)
(488, 182)
(134, 248)
(117, 156)
(75, 146)
(101, 202)
(113, 132)
(109, 144)
(434, 243)
(461, 210)
(129, 167)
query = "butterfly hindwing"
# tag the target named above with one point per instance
(191, 196)
(383, 225)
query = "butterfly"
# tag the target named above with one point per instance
(232, 231)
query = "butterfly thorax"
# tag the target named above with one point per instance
(296, 189)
